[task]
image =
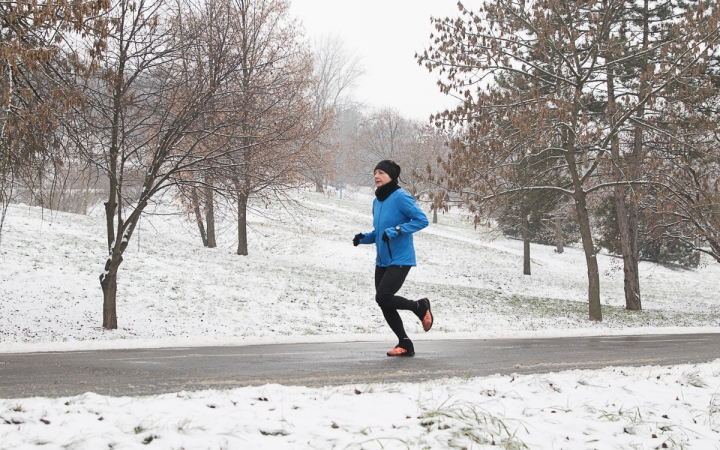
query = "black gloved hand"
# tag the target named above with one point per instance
(356, 239)
(385, 237)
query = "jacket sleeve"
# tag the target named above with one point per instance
(369, 238)
(409, 207)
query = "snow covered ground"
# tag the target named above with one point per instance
(630, 408)
(305, 282)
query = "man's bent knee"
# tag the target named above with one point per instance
(383, 300)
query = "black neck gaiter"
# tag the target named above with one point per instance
(385, 190)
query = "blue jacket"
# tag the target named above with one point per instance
(400, 209)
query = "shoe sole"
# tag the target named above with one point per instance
(402, 354)
(432, 318)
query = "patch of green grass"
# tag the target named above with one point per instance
(714, 410)
(464, 421)
(692, 378)
(480, 301)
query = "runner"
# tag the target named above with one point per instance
(396, 216)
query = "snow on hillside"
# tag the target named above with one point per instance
(304, 281)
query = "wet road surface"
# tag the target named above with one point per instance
(154, 371)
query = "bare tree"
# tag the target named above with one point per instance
(336, 71)
(271, 114)
(350, 168)
(385, 134)
(216, 47)
(140, 109)
(427, 144)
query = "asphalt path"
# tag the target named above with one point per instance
(155, 371)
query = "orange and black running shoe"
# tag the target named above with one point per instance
(399, 351)
(427, 320)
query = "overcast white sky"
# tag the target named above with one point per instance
(386, 34)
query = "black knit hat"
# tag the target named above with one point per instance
(389, 167)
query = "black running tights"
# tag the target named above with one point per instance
(389, 280)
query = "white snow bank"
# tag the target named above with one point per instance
(620, 407)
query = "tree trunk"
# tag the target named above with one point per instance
(583, 218)
(626, 212)
(108, 282)
(319, 186)
(242, 224)
(198, 216)
(434, 215)
(558, 236)
(110, 206)
(595, 313)
(86, 198)
(4, 203)
(629, 236)
(627, 225)
(210, 216)
(526, 245)
(628, 242)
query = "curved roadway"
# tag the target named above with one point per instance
(154, 371)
